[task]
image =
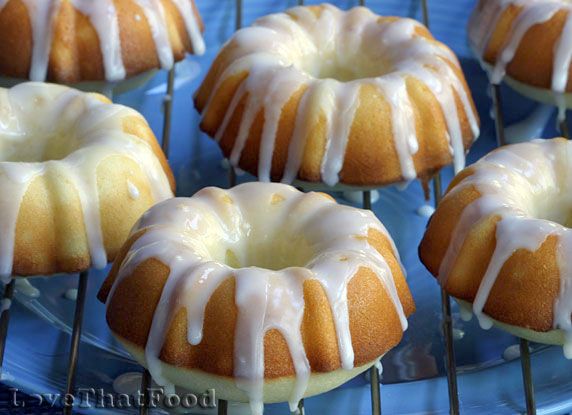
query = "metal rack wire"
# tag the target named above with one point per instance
(76, 337)
(7, 298)
(375, 381)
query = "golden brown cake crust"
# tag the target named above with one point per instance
(371, 156)
(374, 323)
(75, 51)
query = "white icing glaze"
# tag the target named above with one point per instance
(402, 122)
(155, 15)
(458, 334)
(529, 187)
(529, 17)
(42, 17)
(465, 311)
(282, 56)
(71, 294)
(254, 223)
(192, 25)
(46, 127)
(5, 305)
(128, 382)
(379, 367)
(132, 190)
(344, 100)
(484, 20)
(103, 17)
(24, 286)
(425, 211)
(511, 352)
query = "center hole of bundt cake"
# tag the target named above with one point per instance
(331, 65)
(273, 252)
(35, 148)
(556, 208)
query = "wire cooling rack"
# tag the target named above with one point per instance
(376, 403)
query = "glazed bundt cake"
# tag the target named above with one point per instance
(263, 292)
(500, 240)
(319, 94)
(69, 41)
(528, 41)
(76, 172)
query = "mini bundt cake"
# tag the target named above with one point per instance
(76, 172)
(319, 94)
(263, 292)
(69, 41)
(500, 240)
(528, 41)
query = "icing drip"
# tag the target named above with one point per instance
(511, 352)
(42, 18)
(425, 210)
(379, 368)
(132, 190)
(25, 287)
(402, 122)
(192, 25)
(155, 15)
(95, 132)
(194, 236)
(103, 17)
(305, 118)
(344, 101)
(478, 32)
(484, 20)
(465, 311)
(531, 234)
(540, 13)
(129, 383)
(330, 58)
(71, 294)
(521, 184)
(458, 334)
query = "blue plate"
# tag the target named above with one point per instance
(414, 380)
